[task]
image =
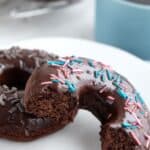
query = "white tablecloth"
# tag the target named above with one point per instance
(74, 21)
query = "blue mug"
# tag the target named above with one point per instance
(124, 24)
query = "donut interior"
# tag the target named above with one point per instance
(14, 77)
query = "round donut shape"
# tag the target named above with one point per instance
(16, 66)
(97, 88)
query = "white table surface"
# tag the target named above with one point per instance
(74, 21)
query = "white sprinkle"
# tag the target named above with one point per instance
(21, 64)
(26, 132)
(2, 102)
(109, 116)
(1, 68)
(138, 120)
(146, 114)
(12, 110)
(77, 71)
(148, 140)
(37, 63)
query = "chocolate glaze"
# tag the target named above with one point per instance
(20, 63)
(16, 65)
(16, 124)
(99, 89)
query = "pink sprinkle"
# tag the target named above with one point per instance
(133, 123)
(127, 102)
(65, 72)
(77, 71)
(138, 105)
(104, 66)
(134, 108)
(111, 98)
(127, 108)
(103, 89)
(148, 140)
(136, 118)
(95, 63)
(54, 77)
(45, 83)
(60, 73)
(135, 138)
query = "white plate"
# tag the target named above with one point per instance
(83, 133)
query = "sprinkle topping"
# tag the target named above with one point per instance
(139, 98)
(71, 71)
(109, 74)
(91, 63)
(122, 94)
(71, 87)
(135, 138)
(97, 73)
(127, 125)
(56, 63)
(147, 137)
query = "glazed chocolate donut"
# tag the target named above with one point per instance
(16, 65)
(16, 124)
(98, 88)
(19, 63)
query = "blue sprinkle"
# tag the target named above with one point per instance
(122, 94)
(57, 62)
(103, 79)
(90, 63)
(116, 84)
(139, 98)
(71, 62)
(142, 112)
(55, 81)
(71, 87)
(97, 73)
(79, 61)
(128, 126)
(109, 75)
(118, 79)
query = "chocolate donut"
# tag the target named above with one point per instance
(97, 88)
(16, 65)
(16, 124)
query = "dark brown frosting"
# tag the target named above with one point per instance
(20, 63)
(16, 65)
(16, 124)
(97, 88)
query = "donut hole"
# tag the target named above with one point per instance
(14, 77)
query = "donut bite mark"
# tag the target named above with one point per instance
(97, 88)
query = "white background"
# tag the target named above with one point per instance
(74, 21)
